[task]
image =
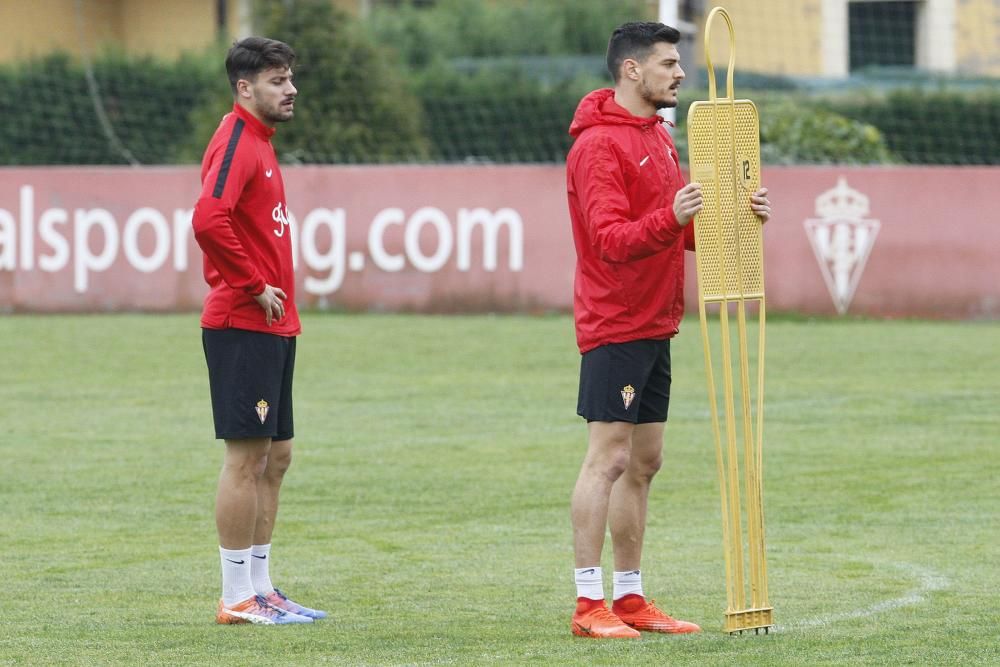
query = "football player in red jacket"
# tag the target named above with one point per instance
(249, 326)
(632, 220)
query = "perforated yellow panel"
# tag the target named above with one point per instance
(724, 154)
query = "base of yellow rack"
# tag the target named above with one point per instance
(749, 619)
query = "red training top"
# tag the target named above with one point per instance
(622, 174)
(241, 223)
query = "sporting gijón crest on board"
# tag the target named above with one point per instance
(842, 238)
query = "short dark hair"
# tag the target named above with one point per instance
(249, 57)
(636, 40)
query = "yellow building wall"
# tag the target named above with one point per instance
(352, 6)
(37, 27)
(977, 42)
(165, 28)
(772, 36)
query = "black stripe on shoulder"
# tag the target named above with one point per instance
(227, 160)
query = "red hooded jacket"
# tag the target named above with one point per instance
(621, 176)
(241, 223)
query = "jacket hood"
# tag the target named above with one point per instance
(600, 108)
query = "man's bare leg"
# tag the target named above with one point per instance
(627, 518)
(269, 488)
(268, 492)
(235, 516)
(630, 496)
(607, 458)
(236, 498)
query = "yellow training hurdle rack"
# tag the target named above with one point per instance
(724, 153)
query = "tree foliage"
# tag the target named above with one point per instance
(353, 103)
(793, 132)
(477, 28)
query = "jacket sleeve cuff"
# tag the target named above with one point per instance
(671, 228)
(689, 238)
(256, 287)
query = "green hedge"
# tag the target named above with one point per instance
(358, 104)
(50, 118)
(937, 127)
(497, 115)
(798, 131)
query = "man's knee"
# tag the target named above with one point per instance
(610, 449)
(647, 451)
(645, 468)
(247, 458)
(279, 459)
(617, 465)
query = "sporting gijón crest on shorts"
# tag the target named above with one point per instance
(241, 223)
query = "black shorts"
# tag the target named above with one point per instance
(625, 382)
(250, 377)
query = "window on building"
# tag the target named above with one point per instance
(221, 17)
(882, 33)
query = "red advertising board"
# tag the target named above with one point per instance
(874, 241)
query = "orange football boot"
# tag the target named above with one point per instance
(256, 610)
(636, 612)
(592, 619)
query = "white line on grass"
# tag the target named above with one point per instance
(928, 582)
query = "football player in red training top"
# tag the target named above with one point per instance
(631, 216)
(249, 326)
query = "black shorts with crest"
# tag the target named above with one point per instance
(250, 378)
(625, 382)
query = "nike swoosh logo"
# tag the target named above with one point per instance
(237, 562)
(643, 160)
(260, 557)
(583, 629)
(590, 571)
(268, 173)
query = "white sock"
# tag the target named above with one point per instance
(589, 583)
(260, 558)
(627, 583)
(236, 584)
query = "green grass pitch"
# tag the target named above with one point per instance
(427, 505)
